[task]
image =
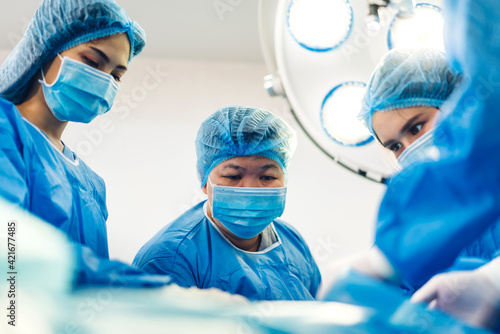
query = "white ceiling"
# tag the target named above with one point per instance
(224, 30)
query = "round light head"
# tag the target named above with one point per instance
(320, 25)
(424, 29)
(339, 114)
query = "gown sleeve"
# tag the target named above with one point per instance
(166, 259)
(94, 271)
(14, 187)
(13, 178)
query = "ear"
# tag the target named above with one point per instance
(204, 189)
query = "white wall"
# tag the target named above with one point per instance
(144, 149)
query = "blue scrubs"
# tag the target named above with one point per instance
(195, 253)
(62, 190)
(432, 212)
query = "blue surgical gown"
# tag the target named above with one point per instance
(62, 190)
(195, 253)
(432, 212)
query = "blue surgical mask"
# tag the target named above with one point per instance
(419, 151)
(80, 92)
(245, 211)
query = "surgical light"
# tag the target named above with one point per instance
(290, 29)
(320, 25)
(373, 19)
(339, 114)
(424, 29)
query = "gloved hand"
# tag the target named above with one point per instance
(372, 263)
(473, 296)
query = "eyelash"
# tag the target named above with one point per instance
(414, 127)
(94, 64)
(393, 147)
(90, 62)
(238, 177)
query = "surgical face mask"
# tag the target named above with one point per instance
(80, 92)
(420, 150)
(244, 211)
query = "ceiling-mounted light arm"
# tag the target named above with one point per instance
(278, 82)
(373, 18)
(404, 9)
(272, 81)
(266, 44)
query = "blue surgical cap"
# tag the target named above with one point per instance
(59, 25)
(408, 78)
(237, 131)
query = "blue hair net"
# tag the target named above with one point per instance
(236, 131)
(408, 78)
(59, 25)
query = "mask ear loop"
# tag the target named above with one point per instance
(43, 76)
(211, 206)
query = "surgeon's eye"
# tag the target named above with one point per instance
(395, 147)
(416, 129)
(233, 177)
(90, 62)
(267, 178)
(116, 77)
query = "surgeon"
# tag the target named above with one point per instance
(234, 241)
(401, 110)
(432, 211)
(66, 68)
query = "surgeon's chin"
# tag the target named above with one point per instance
(247, 244)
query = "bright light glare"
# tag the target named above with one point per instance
(320, 25)
(333, 313)
(425, 29)
(373, 23)
(339, 114)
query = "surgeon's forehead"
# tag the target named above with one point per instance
(385, 120)
(249, 161)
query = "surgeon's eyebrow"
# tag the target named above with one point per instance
(106, 58)
(237, 167)
(270, 166)
(409, 123)
(233, 166)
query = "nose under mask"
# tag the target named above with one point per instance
(421, 150)
(80, 92)
(244, 211)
